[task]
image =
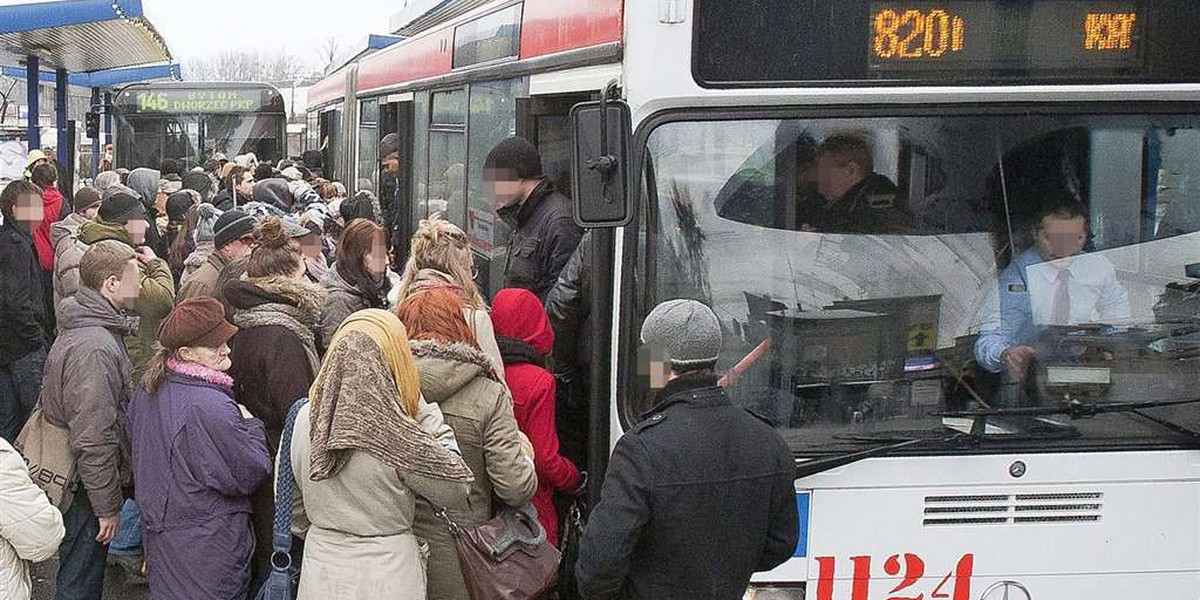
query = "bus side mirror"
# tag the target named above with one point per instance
(601, 135)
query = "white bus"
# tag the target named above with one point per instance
(924, 469)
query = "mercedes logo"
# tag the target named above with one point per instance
(1006, 590)
(1017, 469)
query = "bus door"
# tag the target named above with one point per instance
(544, 121)
(396, 116)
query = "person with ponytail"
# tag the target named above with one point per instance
(197, 457)
(274, 352)
(439, 257)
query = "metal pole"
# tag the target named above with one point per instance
(61, 116)
(108, 130)
(96, 140)
(33, 133)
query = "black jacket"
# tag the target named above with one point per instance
(569, 306)
(224, 200)
(873, 206)
(698, 496)
(23, 319)
(544, 236)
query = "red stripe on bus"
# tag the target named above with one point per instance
(423, 57)
(552, 26)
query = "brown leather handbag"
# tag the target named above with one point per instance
(506, 558)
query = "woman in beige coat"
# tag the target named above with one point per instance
(363, 449)
(439, 257)
(457, 377)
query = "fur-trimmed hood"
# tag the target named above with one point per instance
(448, 368)
(250, 292)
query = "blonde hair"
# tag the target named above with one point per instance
(440, 245)
(156, 368)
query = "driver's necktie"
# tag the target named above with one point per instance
(1060, 311)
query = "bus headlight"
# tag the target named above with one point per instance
(774, 592)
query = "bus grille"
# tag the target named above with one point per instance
(1009, 509)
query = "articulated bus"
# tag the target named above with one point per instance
(926, 467)
(192, 121)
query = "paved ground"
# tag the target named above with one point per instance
(115, 586)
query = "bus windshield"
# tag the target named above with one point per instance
(873, 274)
(145, 140)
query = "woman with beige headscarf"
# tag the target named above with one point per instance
(363, 449)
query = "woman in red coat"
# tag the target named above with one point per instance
(45, 176)
(525, 337)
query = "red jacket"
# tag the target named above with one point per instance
(525, 337)
(52, 201)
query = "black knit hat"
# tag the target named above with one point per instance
(178, 205)
(197, 181)
(231, 226)
(516, 156)
(121, 208)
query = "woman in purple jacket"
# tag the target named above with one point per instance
(197, 456)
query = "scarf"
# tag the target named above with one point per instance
(316, 268)
(433, 279)
(281, 315)
(201, 372)
(515, 352)
(363, 399)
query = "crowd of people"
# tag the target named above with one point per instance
(170, 322)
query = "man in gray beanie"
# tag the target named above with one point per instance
(700, 494)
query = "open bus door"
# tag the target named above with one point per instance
(396, 116)
(544, 120)
(601, 160)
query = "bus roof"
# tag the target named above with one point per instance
(547, 29)
(205, 85)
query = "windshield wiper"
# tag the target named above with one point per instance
(1074, 410)
(820, 465)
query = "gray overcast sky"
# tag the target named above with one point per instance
(195, 29)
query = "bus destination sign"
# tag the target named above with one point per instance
(990, 36)
(195, 100)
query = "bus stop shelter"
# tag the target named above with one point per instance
(99, 44)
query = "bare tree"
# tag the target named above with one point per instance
(246, 65)
(328, 53)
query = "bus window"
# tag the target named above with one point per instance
(368, 145)
(139, 141)
(232, 135)
(331, 143)
(493, 118)
(447, 170)
(420, 159)
(924, 264)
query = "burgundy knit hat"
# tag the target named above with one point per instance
(196, 322)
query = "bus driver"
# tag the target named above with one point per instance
(1053, 283)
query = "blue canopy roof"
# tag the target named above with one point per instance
(108, 79)
(81, 36)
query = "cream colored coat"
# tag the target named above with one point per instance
(30, 527)
(357, 525)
